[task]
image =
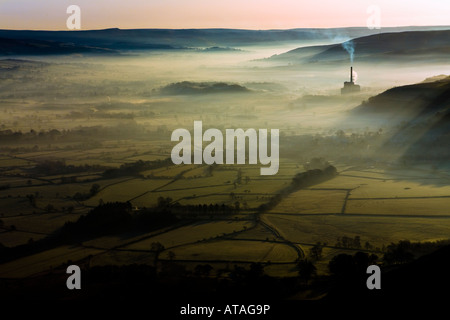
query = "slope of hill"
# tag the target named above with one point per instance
(420, 45)
(422, 280)
(409, 101)
(421, 113)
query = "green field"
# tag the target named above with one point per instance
(192, 233)
(15, 238)
(125, 190)
(312, 201)
(40, 262)
(410, 206)
(237, 250)
(378, 231)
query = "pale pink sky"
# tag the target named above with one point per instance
(246, 14)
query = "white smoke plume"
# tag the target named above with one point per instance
(350, 47)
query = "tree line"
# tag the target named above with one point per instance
(299, 181)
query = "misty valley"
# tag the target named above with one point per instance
(222, 164)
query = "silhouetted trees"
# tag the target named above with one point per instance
(348, 268)
(203, 270)
(316, 251)
(54, 167)
(84, 196)
(134, 168)
(351, 243)
(94, 189)
(306, 270)
(171, 255)
(156, 248)
(167, 205)
(316, 163)
(311, 177)
(32, 199)
(399, 253)
(300, 180)
(5, 186)
(104, 219)
(256, 270)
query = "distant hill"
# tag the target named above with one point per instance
(26, 42)
(418, 45)
(188, 88)
(44, 47)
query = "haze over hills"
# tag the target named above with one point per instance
(45, 47)
(425, 46)
(22, 42)
(422, 112)
(410, 101)
(86, 175)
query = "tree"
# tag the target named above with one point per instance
(95, 189)
(342, 265)
(316, 251)
(256, 270)
(306, 270)
(157, 248)
(349, 268)
(239, 176)
(357, 242)
(171, 255)
(164, 202)
(32, 199)
(399, 253)
(202, 269)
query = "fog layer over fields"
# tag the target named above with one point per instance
(86, 174)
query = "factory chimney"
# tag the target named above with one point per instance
(350, 86)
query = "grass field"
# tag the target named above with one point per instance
(400, 188)
(41, 222)
(170, 171)
(15, 206)
(192, 233)
(409, 206)
(342, 182)
(257, 233)
(119, 257)
(312, 201)
(125, 190)
(15, 238)
(43, 261)
(236, 250)
(378, 205)
(376, 230)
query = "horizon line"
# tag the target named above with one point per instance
(225, 28)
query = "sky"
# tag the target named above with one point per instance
(243, 14)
